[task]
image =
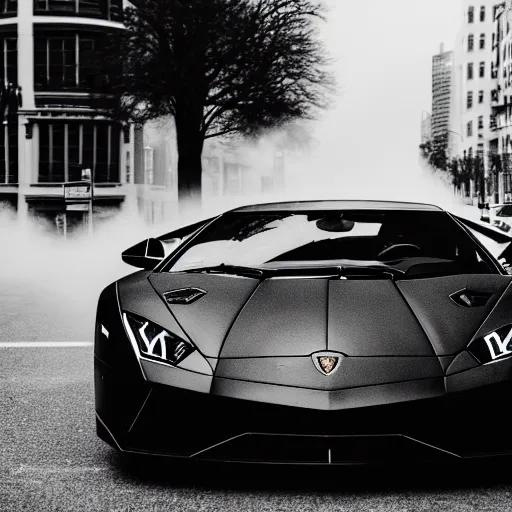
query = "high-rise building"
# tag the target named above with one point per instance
(53, 130)
(442, 70)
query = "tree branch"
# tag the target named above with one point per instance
(220, 133)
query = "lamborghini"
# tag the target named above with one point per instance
(321, 332)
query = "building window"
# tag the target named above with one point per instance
(148, 158)
(480, 151)
(55, 63)
(471, 14)
(482, 41)
(470, 70)
(8, 153)
(469, 129)
(470, 42)
(480, 96)
(9, 60)
(482, 13)
(480, 122)
(8, 8)
(66, 62)
(55, 6)
(67, 148)
(482, 70)
(469, 99)
(105, 9)
(148, 166)
(128, 167)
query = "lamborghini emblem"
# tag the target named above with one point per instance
(326, 362)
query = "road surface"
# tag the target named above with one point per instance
(51, 459)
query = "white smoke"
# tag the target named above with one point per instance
(368, 149)
(61, 279)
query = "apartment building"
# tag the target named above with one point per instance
(501, 139)
(476, 73)
(45, 51)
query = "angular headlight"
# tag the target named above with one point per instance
(495, 346)
(154, 342)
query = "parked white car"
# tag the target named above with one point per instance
(500, 216)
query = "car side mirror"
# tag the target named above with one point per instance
(145, 255)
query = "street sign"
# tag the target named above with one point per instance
(77, 207)
(77, 191)
(78, 196)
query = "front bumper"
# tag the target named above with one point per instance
(143, 417)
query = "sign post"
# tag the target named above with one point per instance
(87, 177)
(78, 197)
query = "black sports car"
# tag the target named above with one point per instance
(324, 332)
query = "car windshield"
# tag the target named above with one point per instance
(505, 211)
(431, 242)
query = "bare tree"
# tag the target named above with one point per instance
(219, 67)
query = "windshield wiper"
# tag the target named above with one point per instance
(228, 269)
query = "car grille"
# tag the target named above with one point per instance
(187, 423)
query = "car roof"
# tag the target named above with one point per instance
(337, 205)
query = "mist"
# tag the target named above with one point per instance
(59, 280)
(366, 147)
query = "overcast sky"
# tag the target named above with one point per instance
(383, 52)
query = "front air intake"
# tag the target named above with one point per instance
(183, 295)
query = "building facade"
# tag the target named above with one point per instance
(230, 169)
(156, 171)
(53, 129)
(47, 50)
(476, 74)
(501, 140)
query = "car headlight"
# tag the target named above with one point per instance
(154, 342)
(496, 345)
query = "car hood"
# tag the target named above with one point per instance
(269, 330)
